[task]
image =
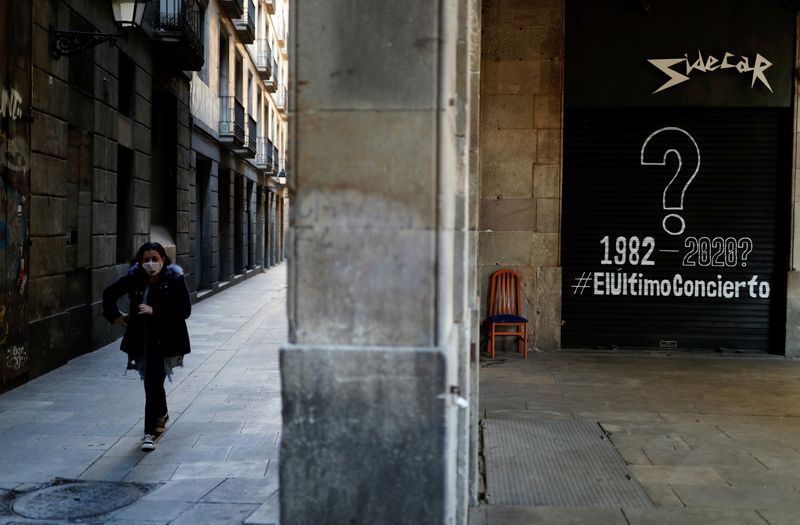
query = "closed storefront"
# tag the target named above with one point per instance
(677, 174)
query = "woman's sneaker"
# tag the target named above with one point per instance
(148, 443)
(161, 424)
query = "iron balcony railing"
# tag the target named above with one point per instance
(264, 56)
(250, 140)
(181, 16)
(231, 119)
(280, 99)
(264, 154)
(250, 14)
(280, 28)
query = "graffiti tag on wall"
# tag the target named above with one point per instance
(16, 357)
(10, 104)
(13, 147)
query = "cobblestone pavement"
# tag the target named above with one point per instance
(218, 460)
(713, 439)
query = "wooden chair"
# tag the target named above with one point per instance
(505, 308)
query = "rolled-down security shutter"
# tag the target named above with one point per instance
(675, 227)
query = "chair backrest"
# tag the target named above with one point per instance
(504, 293)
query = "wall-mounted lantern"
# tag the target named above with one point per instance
(128, 15)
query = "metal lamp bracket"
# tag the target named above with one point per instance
(68, 43)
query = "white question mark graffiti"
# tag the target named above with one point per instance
(671, 199)
(746, 244)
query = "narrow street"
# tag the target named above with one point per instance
(218, 460)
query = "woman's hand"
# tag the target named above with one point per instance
(122, 320)
(145, 309)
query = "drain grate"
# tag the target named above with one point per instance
(70, 499)
(560, 463)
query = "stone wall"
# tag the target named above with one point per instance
(793, 280)
(73, 204)
(520, 167)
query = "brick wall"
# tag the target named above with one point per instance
(521, 129)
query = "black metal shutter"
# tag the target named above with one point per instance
(741, 191)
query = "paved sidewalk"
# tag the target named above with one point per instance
(713, 439)
(217, 462)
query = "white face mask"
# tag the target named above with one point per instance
(152, 267)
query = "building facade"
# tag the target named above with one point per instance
(239, 103)
(98, 155)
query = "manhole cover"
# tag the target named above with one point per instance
(75, 500)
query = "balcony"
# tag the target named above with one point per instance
(272, 83)
(233, 8)
(263, 59)
(275, 160)
(281, 100)
(264, 155)
(270, 6)
(279, 25)
(246, 25)
(231, 122)
(177, 34)
(250, 139)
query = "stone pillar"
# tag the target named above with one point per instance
(473, 173)
(466, 253)
(374, 373)
(793, 276)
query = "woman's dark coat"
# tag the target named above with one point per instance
(169, 298)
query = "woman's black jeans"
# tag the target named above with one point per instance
(155, 398)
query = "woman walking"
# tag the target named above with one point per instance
(156, 338)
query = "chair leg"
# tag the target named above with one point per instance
(491, 342)
(525, 342)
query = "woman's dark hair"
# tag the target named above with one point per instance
(148, 246)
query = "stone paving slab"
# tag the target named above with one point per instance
(780, 517)
(238, 490)
(662, 495)
(693, 517)
(162, 510)
(503, 515)
(184, 489)
(267, 514)
(215, 513)
(677, 475)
